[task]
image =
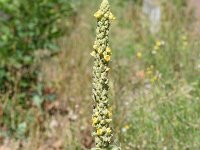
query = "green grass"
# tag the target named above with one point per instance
(165, 118)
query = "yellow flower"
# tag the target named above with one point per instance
(156, 47)
(108, 130)
(93, 53)
(108, 120)
(155, 78)
(184, 37)
(107, 58)
(97, 15)
(108, 49)
(107, 69)
(94, 120)
(99, 131)
(162, 42)
(126, 126)
(96, 113)
(110, 114)
(149, 72)
(139, 55)
(158, 43)
(112, 17)
(99, 51)
(95, 47)
(185, 43)
(106, 15)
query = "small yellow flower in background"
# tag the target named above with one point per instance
(139, 55)
(184, 37)
(107, 58)
(149, 71)
(158, 43)
(99, 131)
(126, 126)
(155, 78)
(97, 15)
(162, 42)
(108, 49)
(93, 53)
(154, 52)
(156, 47)
(152, 74)
(152, 66)
(185, 43)
(184, 40)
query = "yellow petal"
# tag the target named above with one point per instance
(107, 58)
(107, 69)
(99, 131)
(108, 49)
(99, 51)
(97, 15)
(139, 55)
(95, 46)
(108, 130)
(93, 53)
(158, 43)
(112, 17)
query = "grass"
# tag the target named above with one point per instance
(153, 108)
(164, 119)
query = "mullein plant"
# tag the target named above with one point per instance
(101, 118)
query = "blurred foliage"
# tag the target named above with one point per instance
(30, 25)
(25, 27)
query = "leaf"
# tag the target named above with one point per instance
(21, 129)
(37, 100)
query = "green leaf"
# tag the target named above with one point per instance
(37, 100)
(21, 129)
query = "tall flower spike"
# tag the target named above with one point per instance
(101, 117)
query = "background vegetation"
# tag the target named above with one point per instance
(45, 76)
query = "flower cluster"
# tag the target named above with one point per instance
(152, 74)
(101, 117)
(184, 41)
(157, 46)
